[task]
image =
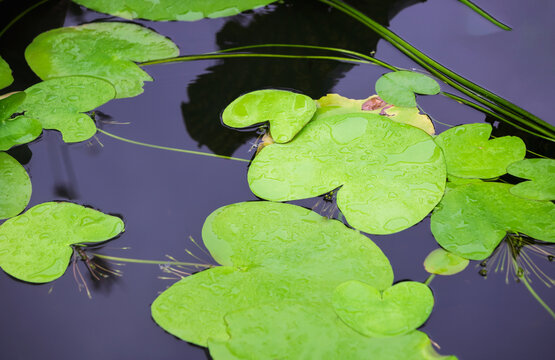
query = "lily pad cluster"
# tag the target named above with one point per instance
(287, 270)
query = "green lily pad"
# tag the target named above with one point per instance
(469, 153)
(182, 10)
(391, 175)
(397, 310)
(15, 187)
(59, 104)
(311, 331)
(20, 129)
(36, 246)
(287, 112)
(104, 50)
(6, 77)
(443, 262)
(335, 104)
(398, 88)
(541, 172)
(10, 103)
(272, 252)
(473, 219)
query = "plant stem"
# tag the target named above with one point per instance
(531, 290)
(169, 148)
(429, 279)
(153, 262)
(484, 14)
(22, 14)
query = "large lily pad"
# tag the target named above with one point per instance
(287, 112)
(472, 219)
(104, 50)
(469, 153)
(443, 262)
(541, 172)
(15, 187)
(391, 175)
(6, 77)
(272, 252)
(36, 246)
(311, 331)
(398, 88)
(183, 10)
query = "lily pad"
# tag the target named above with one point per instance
(287, 112)
(334, 104)
(473, 219)
(541, 172)
(398, 88)
(15, 187)
(104, 50)
(6, 77)
(59, 104)
(36, 246)
(469, 153)
(443, 262)
(20, 129)
(391, 175)
(272, 252)
(397, 310)
(311, 331)
(183, 10)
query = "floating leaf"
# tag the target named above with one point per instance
(398, 88)
(182, 10)
(443, 262)
(36, 246)
(542, 174)
(391, 175)
(104, 50)
(397, 310)
(20, 129)
(15, 187)
(469, 153)
(59, 104)
(287, 112)
(334, 104)
(472, 219)
(6, 77)
(272, 252)
(311, 331)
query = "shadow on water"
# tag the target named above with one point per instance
(314, 25)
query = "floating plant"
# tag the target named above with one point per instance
(541, 172)
(15, 187)
(16, 129)
(6, 77)
(443, 262)
(398, 88)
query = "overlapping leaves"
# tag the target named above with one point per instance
(6, 77)
(541, 173)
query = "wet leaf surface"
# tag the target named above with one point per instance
(541, 172)
(6, 77)
(443, 262)
(15, 187)
(398, 88)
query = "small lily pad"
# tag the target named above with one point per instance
(36, 246)
(390, 175)
(397, 310)
(541, 172)
(182, 10)
(104, 50)
(20, 129)
(287, 112)
(398, 88)
(473, 219)
(6, 77)
(443, 262)
(59, 104)
(15, 187)
(469, 153)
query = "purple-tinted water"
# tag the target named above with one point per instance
(164, 197)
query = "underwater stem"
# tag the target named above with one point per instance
(429, 279)
(485, 15)
(22, 14)
(153, 262)
(531, 290)
(169, 148)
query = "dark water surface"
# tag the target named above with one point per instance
(164, 197)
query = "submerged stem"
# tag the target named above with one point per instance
(531, 290)
(169, 148)
(22, 14)
(153, 262)
(485, 14)
(429, 279)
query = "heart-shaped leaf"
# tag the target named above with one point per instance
(472, 219)
(15, 187)
(287, 112)
(398, 88)
(6, 77)
(542, 174)
(104, 50)
(182, 10)
(469, 153)
(272, 252)
(397, 310)
(391, 175)
(36, 246)
(443, 262)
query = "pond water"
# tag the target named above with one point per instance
(165, 196)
